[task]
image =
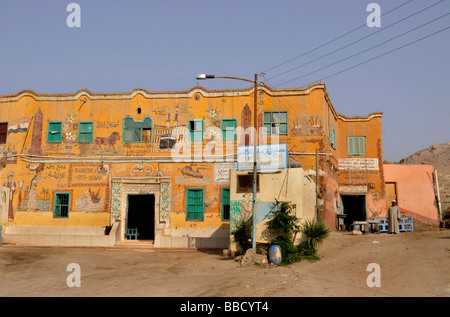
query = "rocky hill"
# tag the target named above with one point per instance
(437, 155)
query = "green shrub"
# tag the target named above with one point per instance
(315, 233)
(284, 225)
(243, 235)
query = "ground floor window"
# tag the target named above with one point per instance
(225, 204)
(61, 205)
(194, 203)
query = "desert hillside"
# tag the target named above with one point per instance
(437, 155)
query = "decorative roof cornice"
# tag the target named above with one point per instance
(360, 118)
(159, 94)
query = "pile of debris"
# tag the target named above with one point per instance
(251, 258)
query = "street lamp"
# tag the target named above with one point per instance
(255, 141)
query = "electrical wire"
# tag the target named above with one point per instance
(333, 40)
(357, 41)
(366, 50)
(386, 53)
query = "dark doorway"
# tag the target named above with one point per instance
(141, 215)
(354, 208)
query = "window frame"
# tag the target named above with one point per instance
(190, 214)
(225, 135)
(55, 205)
(3, 133)
(91, 133)
(332, 136)
(268, 128)
(225, 189)
(50, 139)
(352, 149)
(137, 126)
(192, 133)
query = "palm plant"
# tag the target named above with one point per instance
(315, 233)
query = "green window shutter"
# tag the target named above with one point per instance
(229, 129)
(85, 132)
(356, 145)
(194, 203)
(137, 131)
(333, 136)
(196, 130)
(225, 204)
(362, 145)
(54, 134)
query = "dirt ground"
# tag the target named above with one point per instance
(412, 264)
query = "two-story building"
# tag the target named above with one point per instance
(161, 162)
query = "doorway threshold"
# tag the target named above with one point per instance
(136, 243)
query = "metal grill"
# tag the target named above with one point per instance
(62, 205)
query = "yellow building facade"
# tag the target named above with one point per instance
(97, 160)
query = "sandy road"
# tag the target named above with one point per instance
(412, 264)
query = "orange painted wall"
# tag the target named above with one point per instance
(415, 190)
(372, 179)
(73, 167)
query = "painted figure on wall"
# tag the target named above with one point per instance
(90, 201)
(32, 195)
(108, 142)
(11, 184)
(32, 204)
(246, 208)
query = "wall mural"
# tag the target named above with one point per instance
(306, 125)
(116, 198)
(8, 154)
(90, 201)
(241, 210)
(166, 119)
(102, 144)
(11, 184)
(212, 118)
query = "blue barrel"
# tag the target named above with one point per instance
(275, 254)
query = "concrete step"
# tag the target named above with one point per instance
(58, 240)
(135, 244)
(58, 231)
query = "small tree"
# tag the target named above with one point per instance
(243, 235)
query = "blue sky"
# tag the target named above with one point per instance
(162, 45)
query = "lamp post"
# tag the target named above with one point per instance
(255, 141)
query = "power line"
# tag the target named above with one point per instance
(381, 55)
(335, 39)
(368, 49)
(359, 40)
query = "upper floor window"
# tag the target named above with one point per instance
(3, 132)
(229, 129)
(333, 136)
(356, 145)
(275, 122)
(85, 132)
(196, 130)
(137, 131)
(54, 132)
